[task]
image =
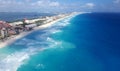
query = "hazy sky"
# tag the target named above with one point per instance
(59, 5)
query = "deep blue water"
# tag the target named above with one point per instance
(16, 16)
(86, 42)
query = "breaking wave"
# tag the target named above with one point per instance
(33, 45)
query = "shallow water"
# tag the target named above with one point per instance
(86, 42)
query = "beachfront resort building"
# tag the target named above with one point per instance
(4, 29)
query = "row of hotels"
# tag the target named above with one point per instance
(15, 28)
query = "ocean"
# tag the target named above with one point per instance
(17, 16)
(84, 42)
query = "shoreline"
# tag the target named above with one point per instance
(23, 34)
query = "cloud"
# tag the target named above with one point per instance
(55, 4)
(42, 6)
(116, 1)
(27, 0)
(89, 5)
(46, 3)
(38, 3)
(27, 5)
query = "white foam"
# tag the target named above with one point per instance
(14, 61)
(65, 22)
(56, 31)
(40, 66)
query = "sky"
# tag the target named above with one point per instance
(48, 6)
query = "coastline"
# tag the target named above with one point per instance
(23, 34)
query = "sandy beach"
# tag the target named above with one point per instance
(23, 34)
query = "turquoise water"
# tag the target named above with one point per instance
(32, 52)
(85, 42)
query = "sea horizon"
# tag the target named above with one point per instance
(19, 16)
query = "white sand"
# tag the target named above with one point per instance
(14, 38)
